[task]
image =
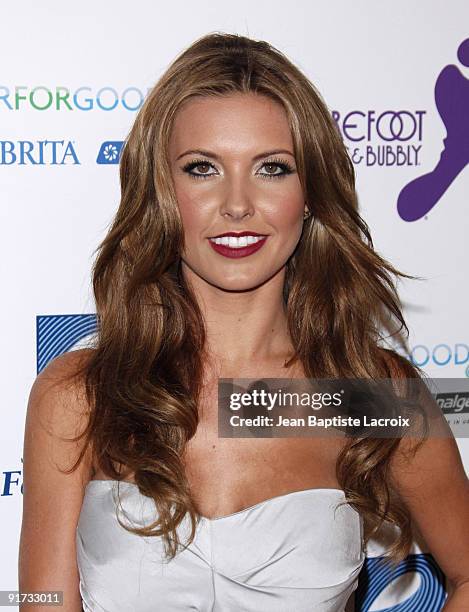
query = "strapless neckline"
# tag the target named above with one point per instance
(301, 551)
(262, 503)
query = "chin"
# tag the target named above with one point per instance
(238, 284)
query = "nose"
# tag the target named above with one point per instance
(237, 202)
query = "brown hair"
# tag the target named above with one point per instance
(144, 378)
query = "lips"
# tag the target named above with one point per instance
(238, 234)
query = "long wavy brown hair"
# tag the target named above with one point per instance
(144, 377)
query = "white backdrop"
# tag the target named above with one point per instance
(366, 58)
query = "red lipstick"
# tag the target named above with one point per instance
(238, 234)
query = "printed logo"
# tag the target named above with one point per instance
(41, 98)
(11, 482)
(440, 354)
(37, 153)
(401, 131)
(453, 403)
(455, 406)
(419, 196)
(109, 152)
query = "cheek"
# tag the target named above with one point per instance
(190, 211)
(287, 214)
(285, 202)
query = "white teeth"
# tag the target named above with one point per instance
(236, 243)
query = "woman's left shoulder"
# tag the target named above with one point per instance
(429, 477)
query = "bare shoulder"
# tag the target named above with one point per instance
(414, 453)
(57, 409)
(57, 378)
(57, 412)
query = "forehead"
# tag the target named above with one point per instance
(236, 122)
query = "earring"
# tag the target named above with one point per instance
(306, 214)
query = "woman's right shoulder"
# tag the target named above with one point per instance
(58, 410)
(61, 383)
(58, 402)
(65, 365)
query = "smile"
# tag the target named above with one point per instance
(235, 242)
(234, 246)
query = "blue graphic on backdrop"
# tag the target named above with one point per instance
(375, 577)
(419, 196)
(56, 334)
(109, 152)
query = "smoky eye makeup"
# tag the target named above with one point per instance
(281, 164)
(194, 163)
(284, 165)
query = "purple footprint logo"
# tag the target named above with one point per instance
(452, 101)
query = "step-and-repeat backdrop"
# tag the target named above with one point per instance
(394, 75)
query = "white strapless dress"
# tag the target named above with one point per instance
(298, 552)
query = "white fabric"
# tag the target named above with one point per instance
(294, 552)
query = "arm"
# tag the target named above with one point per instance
(433, 485)
(52, 499)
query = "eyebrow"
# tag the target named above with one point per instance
(218, 158)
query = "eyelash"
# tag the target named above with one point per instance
(281, 163)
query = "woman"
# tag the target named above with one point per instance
(233, 139)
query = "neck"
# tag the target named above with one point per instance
(244, 328)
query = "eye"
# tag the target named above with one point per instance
(282, 165)
(198, 163)
(280, 168)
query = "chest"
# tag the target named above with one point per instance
(229, 474)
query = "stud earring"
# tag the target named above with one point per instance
(306, 214)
